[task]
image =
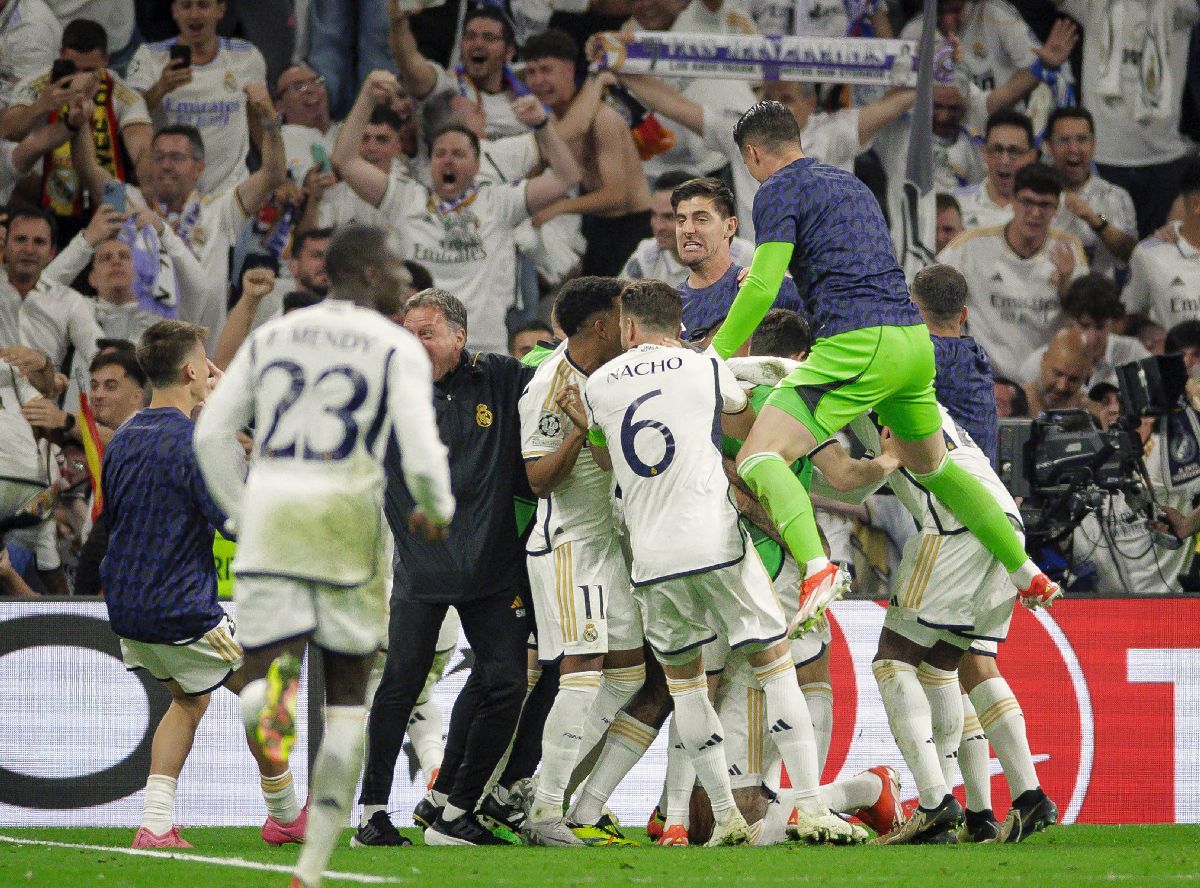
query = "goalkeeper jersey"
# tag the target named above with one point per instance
(843, 262)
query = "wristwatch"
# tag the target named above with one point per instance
(1103, 223)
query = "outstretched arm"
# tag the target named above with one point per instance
(663, 98)
(755, 298)
(364, 179)
(257, 187)
(845, 473)
(1052, 55)
(416, 71)
(562, 173)
(875, 116)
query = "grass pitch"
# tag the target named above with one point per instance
(1072, 856)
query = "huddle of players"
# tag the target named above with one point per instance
(621, 394)
(327, 389)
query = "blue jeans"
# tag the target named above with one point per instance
(347, 40)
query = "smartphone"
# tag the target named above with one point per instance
(114, 195)
(321, 156)
(181, 53)
(61, 68)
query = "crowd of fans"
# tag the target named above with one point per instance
(200, 177)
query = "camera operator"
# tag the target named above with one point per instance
(1130, 553)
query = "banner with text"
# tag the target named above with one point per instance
(855, 60)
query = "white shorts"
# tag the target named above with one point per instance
(950, 588)
(737, 602)
(197, 666)
(344, 619)
(581, 599)
(742, 707)
(812, 644)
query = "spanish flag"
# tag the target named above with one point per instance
(93, 449)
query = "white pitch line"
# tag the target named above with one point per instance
(236, 862)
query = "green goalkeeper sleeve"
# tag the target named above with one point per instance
(755, 298)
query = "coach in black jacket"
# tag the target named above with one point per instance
(479, 568)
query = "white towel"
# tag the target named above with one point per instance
(1155, 100)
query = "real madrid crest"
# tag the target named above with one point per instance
(979, 49)
(589, 633)
(483, 416)
(231, 81)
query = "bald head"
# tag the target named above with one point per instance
(1066, 367)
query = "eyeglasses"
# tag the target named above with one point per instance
(300, 87)
(1047, 206)
(1006, 151)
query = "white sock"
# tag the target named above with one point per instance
(672, 762)
(617, 688)
(815, 566)
(912, 725)
(773, 770)
(700, 731)
(974, 760)
(1004, 723)
(818, 695)
(425, 732)
(681, 779)
(251, 700)
(368, 812)
(945, 708)
(790, 727)
(452, 812)
(847, 796)
(1023, 575)
(279, 793)
(334, 776)
(626, 743)
(158, 807)
(561, 738)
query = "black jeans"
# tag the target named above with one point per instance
(486, 712)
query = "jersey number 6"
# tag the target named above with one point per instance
(629, 432)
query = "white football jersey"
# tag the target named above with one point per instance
(325, 388)
(658, 409)
(1164, 280)
(1014, 303)
(995, 42)
(212, 101)
(1128, 132)
(467, 246)
(581, 506)
(978, 208)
